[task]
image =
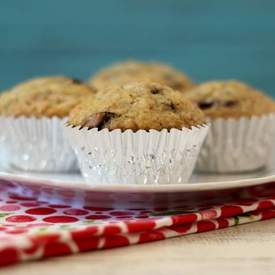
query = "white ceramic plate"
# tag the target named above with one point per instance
(203, 188)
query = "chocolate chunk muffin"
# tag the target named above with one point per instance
(133, 71)
(107, 134)
(241, 135)
(44, 97)
(135, 106)
(230, 99)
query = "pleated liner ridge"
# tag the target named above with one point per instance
(142, 157)
(38, 144)
(238, 145)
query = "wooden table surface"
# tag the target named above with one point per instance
(246, 249)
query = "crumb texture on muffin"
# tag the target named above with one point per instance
(135, 106)
(230, 99)
(133, 71)
(44, 96)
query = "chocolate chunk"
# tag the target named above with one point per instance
(205, 104)
(99, 120)
(230, 103)
(155, 90)
(172, 106)
(76, 81)
(169, 105)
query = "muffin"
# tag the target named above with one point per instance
(137, 133)
(33, 114)
(137, 106)
(43, 97)
(133, 71)
(231, 99)
(242, 126)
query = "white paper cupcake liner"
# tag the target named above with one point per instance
(153, 157)
(238, 145)
(37, 144)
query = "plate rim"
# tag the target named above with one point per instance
(137, 188)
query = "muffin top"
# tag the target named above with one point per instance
(135, 106)
(45, 96)
(230, 99)
(133, 71)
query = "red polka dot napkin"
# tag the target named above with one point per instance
(32, 229)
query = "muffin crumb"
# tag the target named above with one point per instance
(44, 96)
(134, 106)
(230, 99)
(134, 71)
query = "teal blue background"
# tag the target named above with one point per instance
(207, 38)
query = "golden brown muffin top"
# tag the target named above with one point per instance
(44, 96)
(133, 71)
(135, 106)
(230, 99)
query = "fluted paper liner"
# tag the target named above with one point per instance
(37, 144)
(153, 157)
(238, 145)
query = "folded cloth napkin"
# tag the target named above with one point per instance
(32, 229)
